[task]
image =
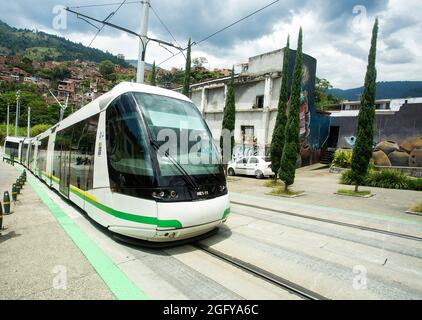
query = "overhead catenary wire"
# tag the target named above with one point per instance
(106, 19)
(103, 4)
(165, 27)
(222, 29)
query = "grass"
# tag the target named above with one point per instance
(352, 193)
(417, 208)
(271, 184)
(288, 193)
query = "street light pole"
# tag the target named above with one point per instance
(7, 127)
(18, 96)
(143, 42)
(29, 122)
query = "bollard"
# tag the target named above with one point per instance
(14, 192)
(6, 202)
(1, 217)
(18, 186)
(22, 180)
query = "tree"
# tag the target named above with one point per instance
(229, 119)
(107, 70)
(291, 144)
(186, 80)
(322, 97)
(153, 75)
(277, 142)
(362, 152)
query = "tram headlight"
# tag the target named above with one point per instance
(165, 195)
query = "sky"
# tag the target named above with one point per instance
(336, 33)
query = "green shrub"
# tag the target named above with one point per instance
(346, 177)
(342, 158)
(415, 184)
(388, 179)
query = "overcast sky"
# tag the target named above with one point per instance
(336, 33)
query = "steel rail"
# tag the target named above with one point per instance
(344, 224)
(263, 274)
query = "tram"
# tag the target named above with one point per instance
(139, 160)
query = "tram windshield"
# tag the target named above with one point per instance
(177, 128)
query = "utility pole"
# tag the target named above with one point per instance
(7, 127)
(18, 96)
(143, 36)
(62, 107)
(143, 42)
(29, 122)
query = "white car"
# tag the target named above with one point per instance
(257, 166)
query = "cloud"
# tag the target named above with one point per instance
(336, 33)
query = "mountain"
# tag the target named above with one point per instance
(41, 46)
(134, 63)
(385, 90)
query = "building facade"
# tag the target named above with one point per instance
(257, 91)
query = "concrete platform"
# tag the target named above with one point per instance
(38, 260)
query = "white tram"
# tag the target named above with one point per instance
(140, 160)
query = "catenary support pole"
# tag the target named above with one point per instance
(143, 42)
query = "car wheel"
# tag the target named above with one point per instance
(231, 172)
(259, 174)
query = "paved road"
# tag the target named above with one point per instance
(335, 261)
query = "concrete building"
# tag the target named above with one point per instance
(395, 120)
(257, 90)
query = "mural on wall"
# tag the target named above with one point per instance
(406, 154)
(314, 126)
(305, 117)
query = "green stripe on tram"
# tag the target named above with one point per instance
(131, 217)
(115, 279)
(226, 213)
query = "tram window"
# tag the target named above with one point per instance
(42, 154)
(83, 149)
(24, 152)
(80, 140)
(62, 143)
(11, 148)
(129, 162)
(178, 126)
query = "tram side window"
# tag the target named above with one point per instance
(82, 156)
(129, 162)
(42, 155)
(62, 143)
(24, 152)
(11, 148)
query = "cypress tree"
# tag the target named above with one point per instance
(186, 80)
(229, 119)
(278, 138)
(362, 151)
(153, 75)
(291, 144)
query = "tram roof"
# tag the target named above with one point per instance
(103, 101)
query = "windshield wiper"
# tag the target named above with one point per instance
(182, 170)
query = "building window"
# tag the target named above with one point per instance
(259, 103)
(247, 132)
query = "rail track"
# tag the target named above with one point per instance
(263, 274)
(339, 223)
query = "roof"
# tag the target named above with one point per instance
(103, 101)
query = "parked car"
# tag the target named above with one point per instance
(257, 166)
